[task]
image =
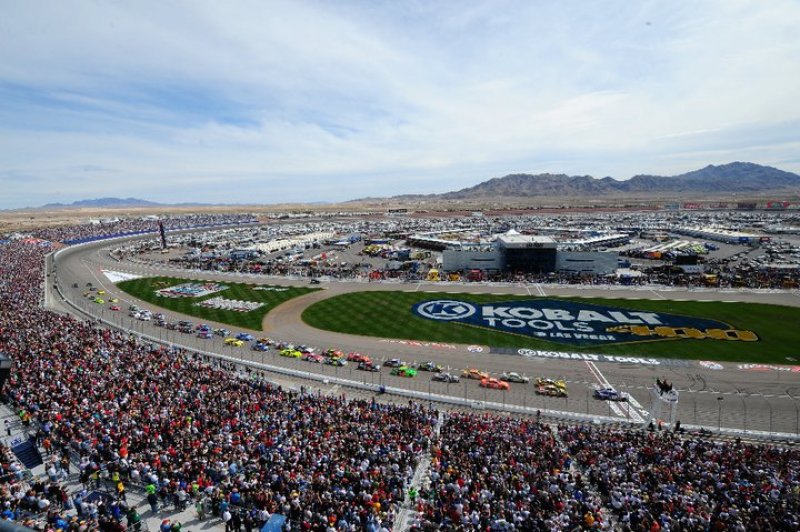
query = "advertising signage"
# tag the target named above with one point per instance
(578, 323)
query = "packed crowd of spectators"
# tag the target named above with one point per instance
(137, 225)
(492, 473)
(165, 418)
(663, 481)
(241, 449)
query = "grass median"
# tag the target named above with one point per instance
(269, 296)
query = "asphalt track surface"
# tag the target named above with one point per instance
(734, 396)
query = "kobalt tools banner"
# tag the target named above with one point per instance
(578, 323)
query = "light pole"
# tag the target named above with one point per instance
(770, 415)
(744, 405)
(719, 413)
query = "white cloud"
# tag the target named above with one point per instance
(248, 99)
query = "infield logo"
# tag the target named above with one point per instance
(445, 310)
(578, 323)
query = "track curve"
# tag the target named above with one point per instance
(724, 394)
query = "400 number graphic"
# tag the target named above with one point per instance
(686, 332)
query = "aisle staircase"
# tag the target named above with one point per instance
(27, 453)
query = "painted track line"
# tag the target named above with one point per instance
(631, 411)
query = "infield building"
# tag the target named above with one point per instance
(515, 252)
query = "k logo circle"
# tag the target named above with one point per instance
(445, 309)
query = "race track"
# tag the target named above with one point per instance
(736, 396)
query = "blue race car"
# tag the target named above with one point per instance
(610, 394)
(245, 337)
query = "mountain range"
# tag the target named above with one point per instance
(732, 178)
(740, 178)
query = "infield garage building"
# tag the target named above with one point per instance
(514, 252)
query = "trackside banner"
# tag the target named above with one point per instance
(578, 323)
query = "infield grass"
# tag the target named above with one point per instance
(145, 289)
(389, 315)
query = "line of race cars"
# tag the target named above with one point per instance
(542, 385)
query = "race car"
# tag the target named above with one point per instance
(113, 300)
(205, 335)
(222, 332)
(404, 371)
(550, 390)
(446, 377)
(430, 366)
(114, 307)
(369, 366)
(394, 363)
(336, 361)
(495, 384)
(476, 374)
(291, 353)
(234, 342)
(514, 377)
(245, 337)
(101, 292)
(358, 357)
(99, 301)
(202, 327)
(313, 357)
(542, 381)
(260, 346)
(610, 394)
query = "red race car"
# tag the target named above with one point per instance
(495, 384)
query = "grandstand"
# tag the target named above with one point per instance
(192, 429)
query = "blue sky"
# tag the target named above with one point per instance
(267, 102)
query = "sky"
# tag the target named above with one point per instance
(271, 101)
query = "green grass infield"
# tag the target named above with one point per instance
(389, 315)
(145, 289)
